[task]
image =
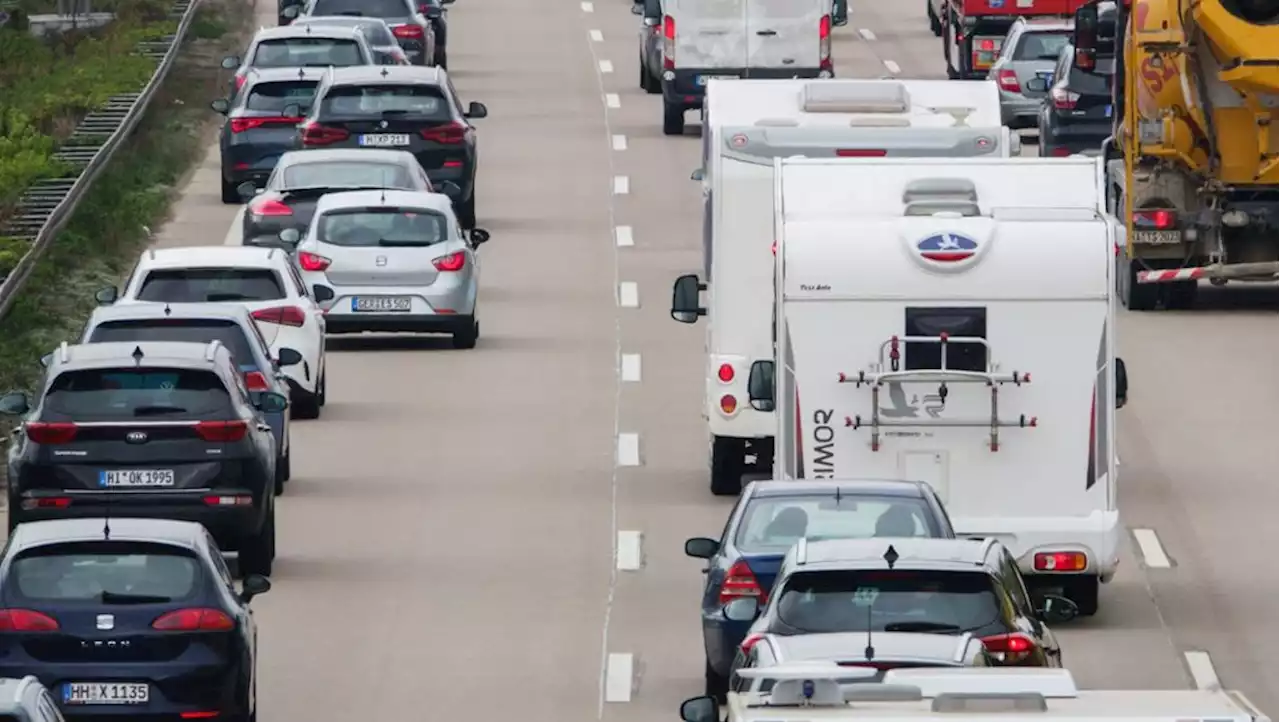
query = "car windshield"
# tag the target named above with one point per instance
(1042, 45)
(418, 102)
(772, 524)
(131, 393)
(307, 52)
(889, 600)
(367, 8)
(105, 572)
(347, 174)
(273, 97)
(383, 227)
(191, 330)
(211, 285)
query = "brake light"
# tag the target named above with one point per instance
(1063, 99)
(47, 502)
(751, 641)
(740, 582)
(240, 82)
(271, 207)
(451, 134)
(201, 714)
(824, 43)
(451, 262)
(1010, 648)
(194, 620)
(728, 404)
(725, 373)
(255, 381)
(1060, 152)
(223, 431)
(312, 261)
(43, 432)
(984, 54)
(315, 134)
(986, 45)
(668, 42)
(1061, 562)
(25, 620)
(408, 32)
(860, 153)
(1008, 81)
(240, 125)
(283, 315)
(1158, 219)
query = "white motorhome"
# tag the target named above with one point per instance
(950, 321)
(751, 123)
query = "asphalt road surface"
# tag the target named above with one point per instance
(448, 541)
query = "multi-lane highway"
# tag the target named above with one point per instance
(498, 532)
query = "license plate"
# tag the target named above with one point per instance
(382, 304)
(384, 140)
(1157, 238)
(702, 79)
(106, 693)
(1106, 110)
(118, 478)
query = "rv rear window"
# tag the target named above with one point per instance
(954, 322)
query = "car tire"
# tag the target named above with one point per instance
(655, 85)
(1181, 296)
(1133, 295)
(258, 552)
(306, 404)
(442, 59)
(466, 210)
(283, 471)
(323, 389)
(715, 685)
(1084, 592)
(229, 193)
(728, 462)
(672, 119)
(644, 75)
(935, 25)
(466, 339)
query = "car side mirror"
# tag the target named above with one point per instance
(479, 236)
(1038, 85)
(254, 585)
(271, 402)
(446, 2)
(247, 190)
(289, 357)
(449, 188)
(291, 236)
(476, 110)
(685, 297)
(220, 106)
(292, 12)
(107, 296)
(322, 293)
(637, 8)
(46, 359)
(697, 175)
(760, 385)
(231, 62)
(14, 403)
(1122, 384)
(700, 709)
(1051, 608)
(701, 547)
(742, 609)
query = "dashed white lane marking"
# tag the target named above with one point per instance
(628, 294)
(621, 185)
(630, 368)
(588, 8)
(1152, 550)
(866, 34)
(628, 449)
(1202, 671)
(892, 67)
(618, 675)
(612, 100)
(630, 551)
(619, 142)
(624, 236)
(596, 36)
(606, 66)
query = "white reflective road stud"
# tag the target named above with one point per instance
(596, 36)
(892, 67)
(866, 34)
(621, 185)
(588, 8)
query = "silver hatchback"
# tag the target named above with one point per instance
(392, 262)
(1025, 67)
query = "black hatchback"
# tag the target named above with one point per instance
(1076, 115)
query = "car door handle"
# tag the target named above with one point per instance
(767, 33)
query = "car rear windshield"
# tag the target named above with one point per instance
(191, 330)
(275, 96)
(367, 8)
(211, 285)
(132, 393)
(1043, 45)
(377, 32)
(105, 572)
(773, 524)
(898, 600)
(413, 102)
(383, 227)
(1089, 83)
(306, 53)
(347, 174)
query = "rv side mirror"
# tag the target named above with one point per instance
(742, 609)
(291, 12)
(697, 175)
(700, 709)
(760, 386)
(1038, 85)
(684, 299)
(449, 188)
(46, 359)
(106, 296)
(1084, 37)
(1122, 384)
(1053, 609)
(840, 13)
(14, 403)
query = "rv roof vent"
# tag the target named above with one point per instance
(946, 208)
(889, 122)
(855, 96)
(959, 115)
(968, 702)
(935, 188)
(777, 123)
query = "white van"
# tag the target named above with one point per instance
(705, 39)
(951, 321)
(749, 124)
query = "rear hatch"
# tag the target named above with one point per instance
(412, 117)
(383, 246)
(1034, 57)
(261, 125)
(260, 290)
(1093, 104)
(784, 34)
(710, 34)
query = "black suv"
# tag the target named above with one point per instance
(420, 26)
(1076, 115)
(153, 429)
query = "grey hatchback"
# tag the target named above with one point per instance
(1030, 51)
(386, 50)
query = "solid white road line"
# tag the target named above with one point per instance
(866, 34)
(611, 100)
(588, 8)
(618, 676)
(1152, 550)
(892, 67)
(596, 36)
(628, 449)
(624, 236)
(233, 233)
(621, 185)
(630, 368)
(1202, 671)
(606, 66)
(619, 142)
(628, 294)
(630, 551)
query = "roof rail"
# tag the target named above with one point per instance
(855, 96)
(64, 352)
(998, 702)
(802, 551)
(962, 646)
(211, 351)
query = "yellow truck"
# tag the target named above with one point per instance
(1191, 164)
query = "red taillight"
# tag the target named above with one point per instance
(240, 125)
(728, 404)
(283, 315)
(194, 620)
(271, 207)
(824, 42)
(47, 502)
(240, 81)
(255, 381)
(408, 32)
(1060, 152)
(1008, 81)
(1061, 561)
(43, 432)
(225, 431)
(1010, 648)
(315, 134)
(203, 714)
(740, 582)
(860, 153)
(451, 262)
(1160, 220)
(751, 641)
(986, 45)
(774, 248)
(668, 42)
(1064, 99)
(25, 620)
(451, 134)
(725, 373)
(312, 261)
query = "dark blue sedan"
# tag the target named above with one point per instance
(768, 519)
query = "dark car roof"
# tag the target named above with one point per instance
(387, 74)
(117, 354)
(853, 487)
(31, 534)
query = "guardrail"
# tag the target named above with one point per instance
(46, 206)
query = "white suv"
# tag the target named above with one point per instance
(263, 280)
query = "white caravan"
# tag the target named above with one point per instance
(749, 124)
(950, 321)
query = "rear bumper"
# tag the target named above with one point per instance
(228, 524)
(1073, 137)
(446, 299)
(177, 686)
(246, 162)
(1097, 535)
(398, 323)
(684, 88)
(1018, 111)
(721, 638)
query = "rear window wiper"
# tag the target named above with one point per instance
(157, 410)
(920, 627)
(404, 242)
(227, 296)
(120, 598)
